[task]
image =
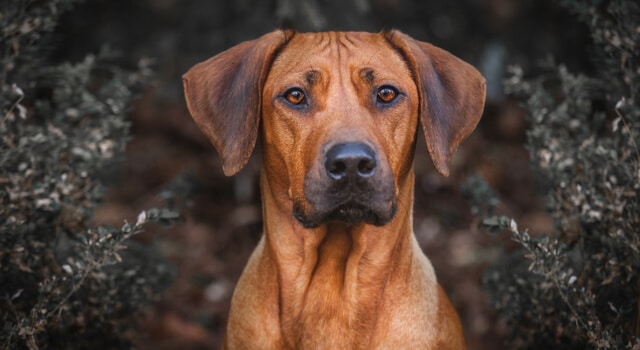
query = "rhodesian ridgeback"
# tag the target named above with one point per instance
(338, 266)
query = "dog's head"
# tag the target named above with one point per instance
(338, 113)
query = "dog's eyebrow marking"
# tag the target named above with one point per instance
(312, 76)
(367, 75)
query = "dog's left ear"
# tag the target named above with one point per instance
(452, 94)
(224, 94)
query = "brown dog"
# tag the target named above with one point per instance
(338, 266)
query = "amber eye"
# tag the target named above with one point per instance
(387, 94)
(294, 96)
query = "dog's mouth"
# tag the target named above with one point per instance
(349, 213)
(353, 213)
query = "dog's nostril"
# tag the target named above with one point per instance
(354, 160)
(336, 169)
(366, 167)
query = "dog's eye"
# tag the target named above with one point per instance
(295, 96)
(387, 94)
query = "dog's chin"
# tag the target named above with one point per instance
(350, 214)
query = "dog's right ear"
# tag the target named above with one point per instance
(224, 94)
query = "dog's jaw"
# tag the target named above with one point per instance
(349, 213)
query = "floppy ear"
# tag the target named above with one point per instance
(224, 94)
(452, 95)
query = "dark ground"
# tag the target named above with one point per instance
(222, 222)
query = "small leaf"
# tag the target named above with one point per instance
(142, 218)
(513, 226)
(491, 221)
(17, 294)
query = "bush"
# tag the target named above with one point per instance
(579, 287)
(64, 284)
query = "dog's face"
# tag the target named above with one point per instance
(339, 118)
(338, 115)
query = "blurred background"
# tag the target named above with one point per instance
(221, 217)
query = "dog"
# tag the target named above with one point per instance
(338, 265)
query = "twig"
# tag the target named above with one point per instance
(16, 103)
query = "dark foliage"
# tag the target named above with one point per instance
(63, 283)
(579, 287)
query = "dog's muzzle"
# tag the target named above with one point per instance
(349, 185)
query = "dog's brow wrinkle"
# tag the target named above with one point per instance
(325, 41)
(334, 36)
(348, 40)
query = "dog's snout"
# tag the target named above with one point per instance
(350, 160)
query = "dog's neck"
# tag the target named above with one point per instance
(334, 276)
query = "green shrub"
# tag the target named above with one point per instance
(63, 128)
(579, 287)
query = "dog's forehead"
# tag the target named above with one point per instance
(346, 50)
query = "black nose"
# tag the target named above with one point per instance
(350, 160)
